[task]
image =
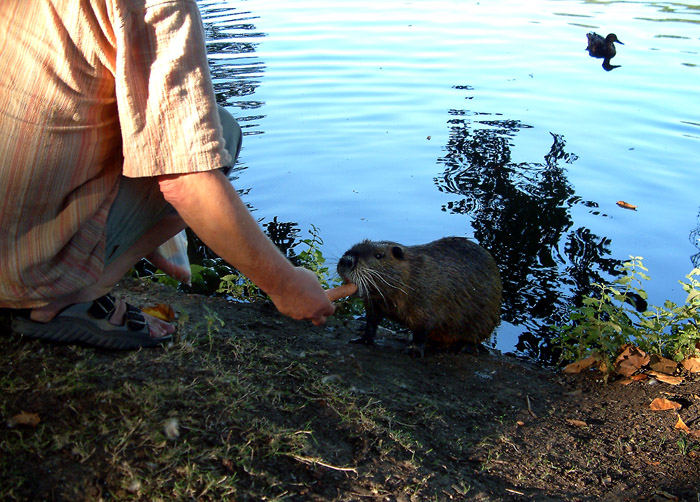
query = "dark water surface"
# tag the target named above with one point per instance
(409, 121)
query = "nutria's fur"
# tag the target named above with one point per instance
(447, 292)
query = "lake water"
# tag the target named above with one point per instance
(413, 120)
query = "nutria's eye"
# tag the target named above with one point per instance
(379, 256)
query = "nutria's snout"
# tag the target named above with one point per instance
(347, 264)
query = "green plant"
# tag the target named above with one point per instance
(609, 319)
(312, 258)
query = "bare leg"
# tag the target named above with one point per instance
(164, 230)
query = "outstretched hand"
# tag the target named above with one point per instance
(303, 298)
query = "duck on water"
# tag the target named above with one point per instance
(599, 47)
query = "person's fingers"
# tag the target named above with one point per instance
(342, 291)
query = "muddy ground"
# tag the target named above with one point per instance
(247, 405)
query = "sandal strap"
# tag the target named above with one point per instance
(103, 307)
(134, 319)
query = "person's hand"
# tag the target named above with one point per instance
(303, 298)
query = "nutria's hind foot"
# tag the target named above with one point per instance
(416, 350)
(364, 340)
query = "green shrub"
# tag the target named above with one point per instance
(609, 319)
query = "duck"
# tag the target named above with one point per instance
(599, 47)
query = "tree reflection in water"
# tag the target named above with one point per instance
(521, 212)
(695, 241)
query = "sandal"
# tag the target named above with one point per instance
(89, 323)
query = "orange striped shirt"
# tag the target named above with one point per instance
(91, 90)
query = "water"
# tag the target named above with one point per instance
(410, 120)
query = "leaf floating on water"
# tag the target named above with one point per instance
(626, 205)
(24, 418)
(661, 404)
(161, 311)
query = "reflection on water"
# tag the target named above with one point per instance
(336, 100)
(695, 241)
(521, 213)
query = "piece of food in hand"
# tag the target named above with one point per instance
(339, 292)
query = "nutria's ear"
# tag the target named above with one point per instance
(397, 252)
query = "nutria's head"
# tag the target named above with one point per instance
(377, 268)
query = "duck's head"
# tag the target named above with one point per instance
(612, 38)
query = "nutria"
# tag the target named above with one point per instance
(447, 292)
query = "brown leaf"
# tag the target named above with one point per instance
(663, 377)
(661, 404)
(576, 423)
(630, 360)
(626, 205)
(161, 311)
(680, 424)
(692, 364)
(663, 365)
(581, 364)
(24, 418)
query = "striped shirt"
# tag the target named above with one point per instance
(91, 90)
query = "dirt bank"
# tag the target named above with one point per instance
(247, 405)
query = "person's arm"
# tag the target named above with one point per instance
(212, 208)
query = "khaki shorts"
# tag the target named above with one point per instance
(139, 205)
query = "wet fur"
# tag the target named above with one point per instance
(447, 292)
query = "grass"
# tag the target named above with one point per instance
(234, 425)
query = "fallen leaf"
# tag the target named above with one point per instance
(626, 205)
(661, 404)
(663, 365)
(581, 364)
(576, 423)
(24, 418)
(639, 378)
(624, 381)
(663, 377)
(680, 424)
(631, 360)
(692, 364)
(161, 311)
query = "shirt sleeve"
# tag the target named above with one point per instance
(167, 108)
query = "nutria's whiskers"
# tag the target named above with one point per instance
(383, 278)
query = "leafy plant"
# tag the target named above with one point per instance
(616, 315)
(312, 258)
